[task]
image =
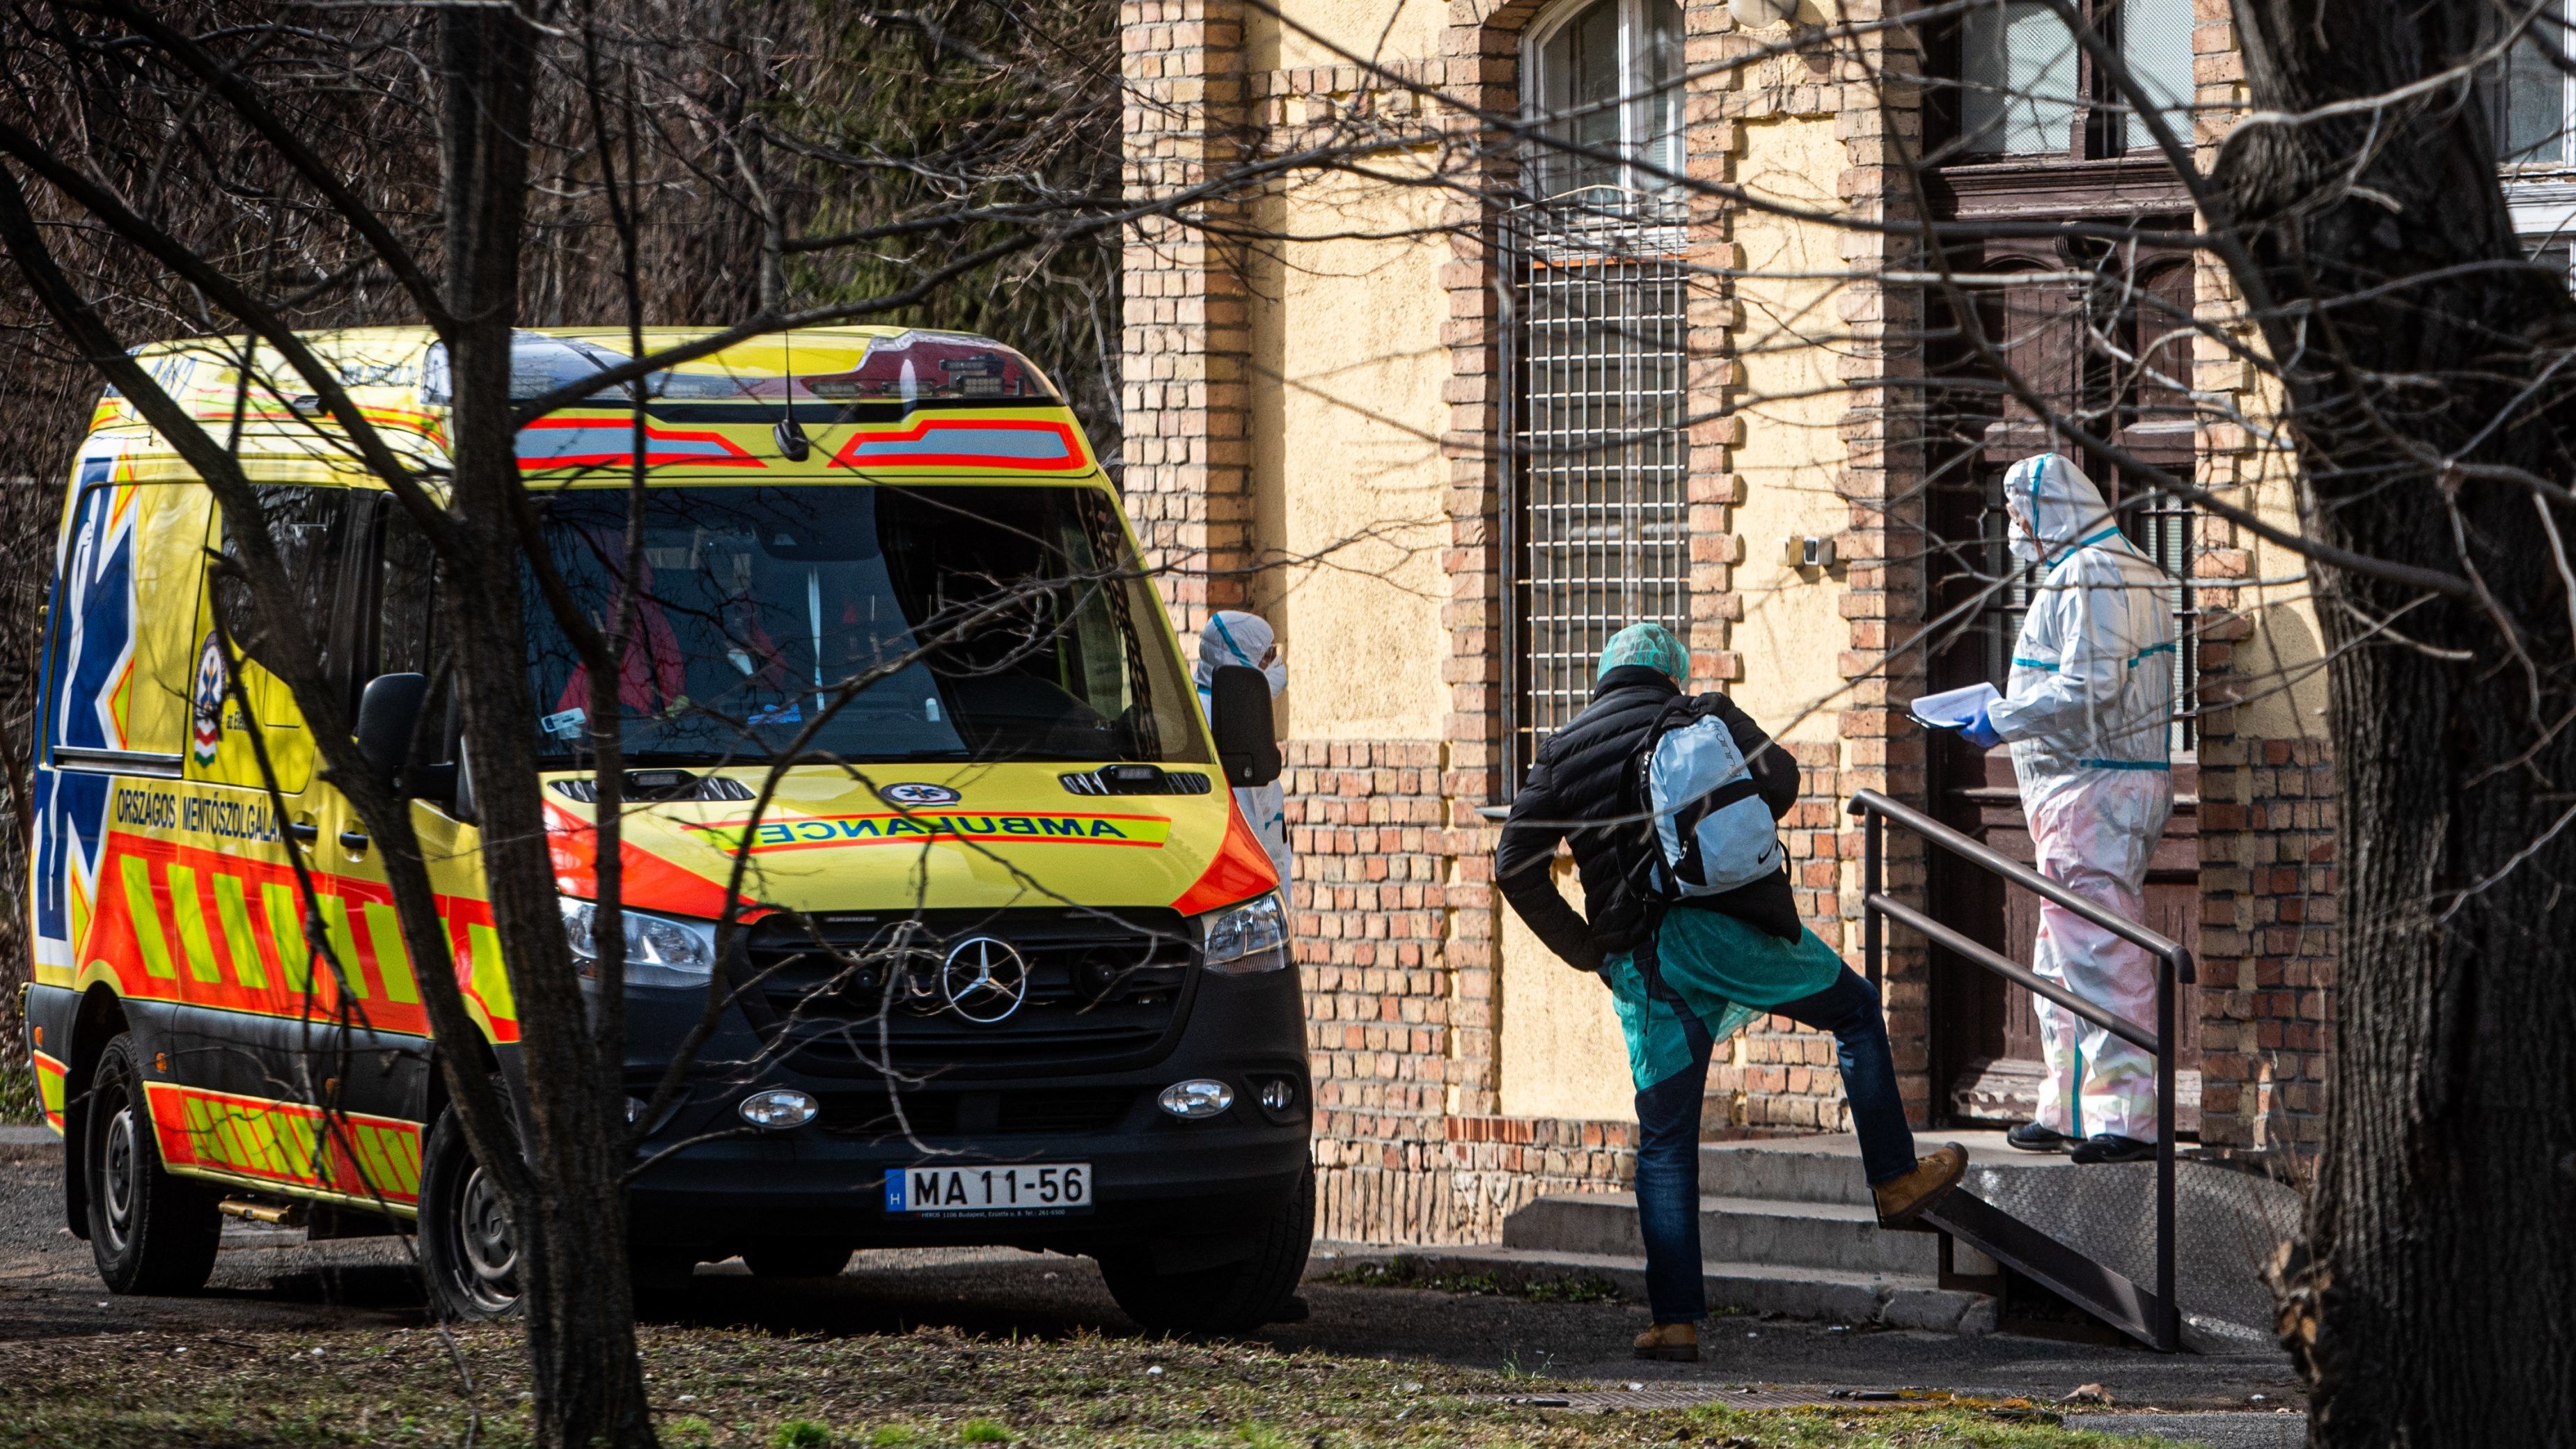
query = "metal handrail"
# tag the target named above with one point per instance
(2163, 1319)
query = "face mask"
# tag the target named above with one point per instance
(2023, 546)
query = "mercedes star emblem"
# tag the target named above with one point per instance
(984, 980)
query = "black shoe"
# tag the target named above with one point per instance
(2112, 1147)
(2032, 1137)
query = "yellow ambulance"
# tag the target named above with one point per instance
(1012, 969)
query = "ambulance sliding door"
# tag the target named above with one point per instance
(288, 1084)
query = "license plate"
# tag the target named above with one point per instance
(1045, 1189)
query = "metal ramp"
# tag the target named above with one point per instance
(2108, 1237)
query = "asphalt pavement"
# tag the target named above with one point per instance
(268, 1278)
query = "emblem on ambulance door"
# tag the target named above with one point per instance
(206, 701)
(984, 980)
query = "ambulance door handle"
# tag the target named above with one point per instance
(304, 830)
(353, 841)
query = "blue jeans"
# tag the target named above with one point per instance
(1668, 1135)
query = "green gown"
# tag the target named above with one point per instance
(1727, 972)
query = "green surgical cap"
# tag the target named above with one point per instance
(1652, 645)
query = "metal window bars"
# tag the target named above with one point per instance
(1596, 515)
(2154, 1316)
(2163, 531)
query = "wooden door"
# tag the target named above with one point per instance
(2114, 351)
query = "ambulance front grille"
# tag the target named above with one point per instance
(868, 996)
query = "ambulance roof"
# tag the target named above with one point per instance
(873, 403)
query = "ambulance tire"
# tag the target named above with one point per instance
(1236, 1298)
(466, 1249)
(149, 1230)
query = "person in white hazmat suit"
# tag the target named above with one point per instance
(2087, 713)
(1235, 637)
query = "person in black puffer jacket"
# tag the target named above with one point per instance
(1685, 974)
(1583, 773)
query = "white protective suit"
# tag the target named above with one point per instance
(1234, 637)
(2087, 715)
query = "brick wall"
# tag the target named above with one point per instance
(2267, 937)
(2267, 813)
(1377, 941)
(1185, 320)
(1782, 1077)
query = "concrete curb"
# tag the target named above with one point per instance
(17, 1135)
(1790, 1292)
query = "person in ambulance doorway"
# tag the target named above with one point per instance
(1669, 804)
(2087, 712)
(1235, 638)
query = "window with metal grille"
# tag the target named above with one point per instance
(1600, 501)
(1596, 523)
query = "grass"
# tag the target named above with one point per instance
(929, 1389)
(1403, 1274)
(18, 1101)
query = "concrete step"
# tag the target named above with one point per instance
(2229, 1218)
(1889, 1300)
(1782, 1172)
(1827, 1169)
(1827, 1235)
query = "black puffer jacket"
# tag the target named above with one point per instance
(1582, 774)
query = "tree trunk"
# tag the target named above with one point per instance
(580, 1313)
(2434, 1298)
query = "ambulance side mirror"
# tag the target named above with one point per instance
(1247, 750)
(388, 717)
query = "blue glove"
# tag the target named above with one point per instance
(1981, 730)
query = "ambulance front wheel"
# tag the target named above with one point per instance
(150, 1231)
(468, 1249)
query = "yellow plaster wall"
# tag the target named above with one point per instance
(2280, 667)
(1346, 390)
(1561, 1054)
(1791, 405)
(1328, 32)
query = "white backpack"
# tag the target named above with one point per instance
(1713, 833)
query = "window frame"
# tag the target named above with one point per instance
(2101, 126)
(2496, 96)
(1635, 100)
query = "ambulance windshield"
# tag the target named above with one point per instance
(859, 622)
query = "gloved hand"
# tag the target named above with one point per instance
(1981, 730)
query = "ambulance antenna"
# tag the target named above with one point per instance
(793, 445)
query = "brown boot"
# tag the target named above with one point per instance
(1670, 1343)
(1901, 1200)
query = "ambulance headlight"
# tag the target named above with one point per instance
(660, 950)
(1247, 939)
